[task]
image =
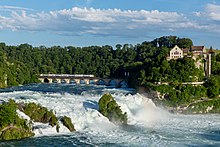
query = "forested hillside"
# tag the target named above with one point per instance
(23, 63)
(145, 62)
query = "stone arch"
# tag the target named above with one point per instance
(101, 82)
(54, 81)
(123, 84)
(63, 81)
(82, 81)
(112, 82)
(72, 81)
(92, 82)
(46, 80)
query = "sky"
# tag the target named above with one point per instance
(108, 22)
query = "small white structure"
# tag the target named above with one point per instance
(175, 53)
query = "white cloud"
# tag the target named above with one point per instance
(198, 14)
(209, 19)
(112, 22)
(9, 8)
(213, 11)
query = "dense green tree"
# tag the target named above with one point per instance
(140, 63)
(213, 85)
(184, 42)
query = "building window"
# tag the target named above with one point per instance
(176, 53)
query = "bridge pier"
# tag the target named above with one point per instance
(41, 79)
(87, 81)
(106, 81)
(50, 80)
(77, 81)
(59, 81)
(95, 81)
(67, 81)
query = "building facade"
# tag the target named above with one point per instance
(194, 52)
(198, 50)
(175, 53)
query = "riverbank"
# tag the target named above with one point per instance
(185, 99)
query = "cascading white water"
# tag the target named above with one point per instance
(141, 110)
(148, 124)
(83, 109)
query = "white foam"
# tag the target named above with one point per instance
(83, 109)
(42, 129)
(23, 115)
(142, 113)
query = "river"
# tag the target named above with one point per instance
(148, 124)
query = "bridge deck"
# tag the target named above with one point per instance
(50, 78)
(65, 76)
(75, 76)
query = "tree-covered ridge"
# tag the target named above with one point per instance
(144, 62)
(141, 64)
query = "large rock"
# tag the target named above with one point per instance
(15, 127)
(14, 133)
(68, 123)
(37, 113)
(109, 108)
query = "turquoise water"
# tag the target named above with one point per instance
(148, 124)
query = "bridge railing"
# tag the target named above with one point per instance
(68, 75)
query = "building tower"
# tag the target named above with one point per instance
(209, 61)
(209, 64)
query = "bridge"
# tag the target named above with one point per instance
(80, 79)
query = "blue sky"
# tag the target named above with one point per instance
(108, 22)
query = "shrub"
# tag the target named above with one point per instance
(8, 113)
(11, 126)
